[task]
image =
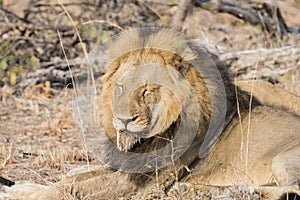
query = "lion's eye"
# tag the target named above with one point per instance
(145, 93)
(134, 118)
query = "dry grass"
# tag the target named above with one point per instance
(38, 138)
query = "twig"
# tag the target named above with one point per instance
(240, 120)
(105, 22)
(82, 45)
(92, 77)
(151, 8)
(181, 13)
(249, 121)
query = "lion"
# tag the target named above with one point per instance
(169, 106)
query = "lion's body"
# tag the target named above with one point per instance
(257, 147)
(270, 136)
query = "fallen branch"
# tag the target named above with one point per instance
(58, 75)
(265, 14)
(271, 62)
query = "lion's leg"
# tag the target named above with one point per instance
(271, 95)
(286, 166)
(102, 183)
(98, 184)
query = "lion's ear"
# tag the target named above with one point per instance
(165, 112)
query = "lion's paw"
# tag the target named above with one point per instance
(29, 191)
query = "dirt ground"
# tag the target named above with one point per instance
(39, 140)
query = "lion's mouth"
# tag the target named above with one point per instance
(126, 141)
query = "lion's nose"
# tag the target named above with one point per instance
(121, 124)
(125, 122)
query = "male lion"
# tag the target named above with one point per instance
(165, 102)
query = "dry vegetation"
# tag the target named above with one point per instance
(39, 141)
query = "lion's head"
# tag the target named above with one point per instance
(148, 90)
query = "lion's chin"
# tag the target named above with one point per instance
(126, 141)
